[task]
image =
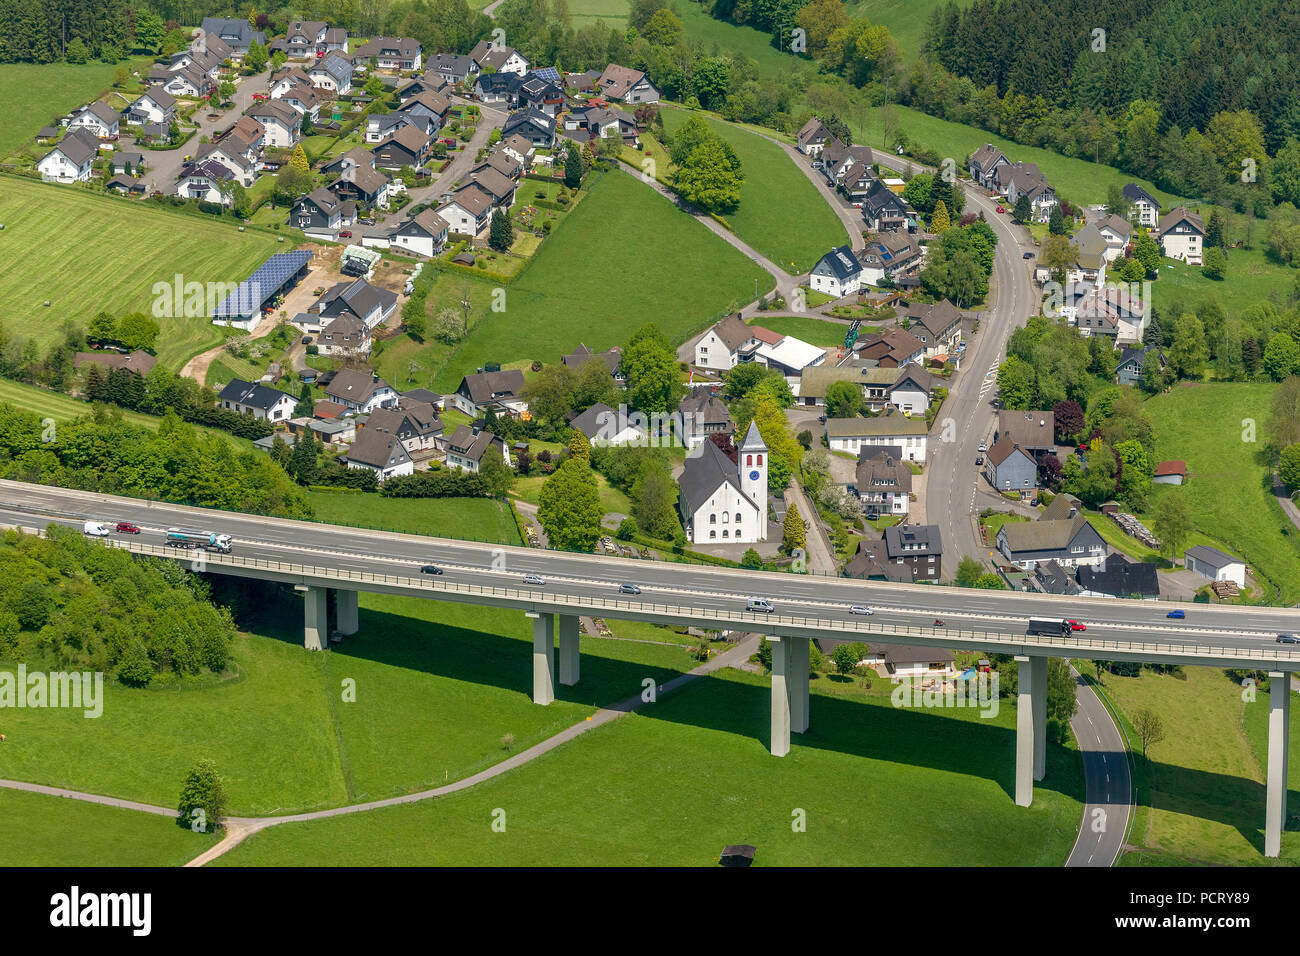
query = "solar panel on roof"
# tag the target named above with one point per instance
(269, 278)
(550, 74)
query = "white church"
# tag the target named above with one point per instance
(723, 501)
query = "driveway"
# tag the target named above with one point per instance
(162, 166)
(463, 159)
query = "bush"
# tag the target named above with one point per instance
(626, 529)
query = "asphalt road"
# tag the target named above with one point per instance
(1108, 787)
(686, 586)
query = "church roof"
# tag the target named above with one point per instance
(753, 440)
(704, 474)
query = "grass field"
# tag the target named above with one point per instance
(478, 519)
(674, 783)
(585, 12)
(86, 252)
(438, 686)
(39, 830)
(781, 213)
(906, 19)
(34, 95)
(812, 330)
(1227, 489)
(1202, 799)
(625, 257)
(1252, 277)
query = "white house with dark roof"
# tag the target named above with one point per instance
(467, 446)
(984, 163)
(1182, 236)
(838, 273)
(1214, 564)
(468, 211)
(812, 137)
(454, 68)
(602, 425)
(154, 105)
(625, 85)
(332, 73)
(98, 118)
(391, 53)
(320, 212)
(207, 181)
(237, 34)
(1117, 231)
(501, 58)
(70, 161)
(1143, 208)
(719, 348)
(500, 390)
(369, 304)
(424, 234)
(533, 125)
(884, 211)
(381, 452)
(937, 325)
(887, 255)
(281, 122)
(260, 401)
(724, 501)
(360, 391)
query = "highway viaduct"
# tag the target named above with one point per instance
(317, 558)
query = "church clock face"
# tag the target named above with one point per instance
(753, 476)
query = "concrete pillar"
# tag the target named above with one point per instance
(316, 629)
(1026, 732)
(797, 682)
(1279, 727)
(543, 657)
(780, 745)
(348, 612)
(569, 657)
(1039, 692)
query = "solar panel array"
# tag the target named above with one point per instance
(269, 278)
(550, 74)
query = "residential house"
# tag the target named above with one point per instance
(500, 188)
(582, 355)
(138, 361)
(501, 390)
(360, 391)
(911, 391)
(344, 336)
(70, 161)
(888, 255)
(408, 146)
(232, 153)
(603, 425)
(891, 427)
(1121, 577)
(235, 33)
(916, 547)
(332, 73)
(424, 234)
(984, 164)
(189, 81)
(431, 81)
(260, 401)
(359, 182)
(303, 39)
(870, 563)
(430, 107)
(883, 481)
(453, 68)
(811, 138)
(319, 212)
(154, 105)
(720, 347)
(937, 326)
(467, 446)
(126, 185)
(722, 500)
(503, 163)
(1060, 534)
(291, 85)
(1214, 564)
(884, 211)
(624, 85)
(1182, 236)
(1017, 179)
(498, 88)
(703, 415)
(1143, 209)
(519, 148)
(281, 123)
(533, 125)
(1112, 312)
(1034, 431)
(468, 211)
(1090, 263)
(415, 424)
(498, 57)
(1008, 467)
(369, 304)
(838, 273)
(1117, 232)
(594, 122)
(381, 452)
(394, 54)
(1128, 371)
(892, 349)
(98, 118)
(207, 181)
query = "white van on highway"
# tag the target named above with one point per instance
(759, 604)
(96, 528)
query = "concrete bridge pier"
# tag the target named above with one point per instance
(347, 612)
(1031, 725)
(543, 657)
(1279, 730)
(789, 690)
(569, 657)
(316, 630)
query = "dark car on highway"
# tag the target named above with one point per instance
(431, 569)
(1288, 639)
(1176, 614)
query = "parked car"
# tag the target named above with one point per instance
(1178, 613)
(345, 234)
(259, 96)
(984, 446)
(431, 569)
(126, 527)
(535, 579)
(306, 340)
(1076, 626)
(860, 609)
(1288, 639)
(979, 459)
(1002, 209)
(628, 589)
(1027, 255)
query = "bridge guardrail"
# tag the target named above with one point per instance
(1065, 646)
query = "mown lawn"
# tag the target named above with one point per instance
(438, 686)
(40, 830)
(85, 252)
(906, 19)
(1227, 489)
(812, 330)
(781, 213)
(623, 258)
(1201, 797)
(32, 95)
(1251, 277)
(477, 519)
(684, 777)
